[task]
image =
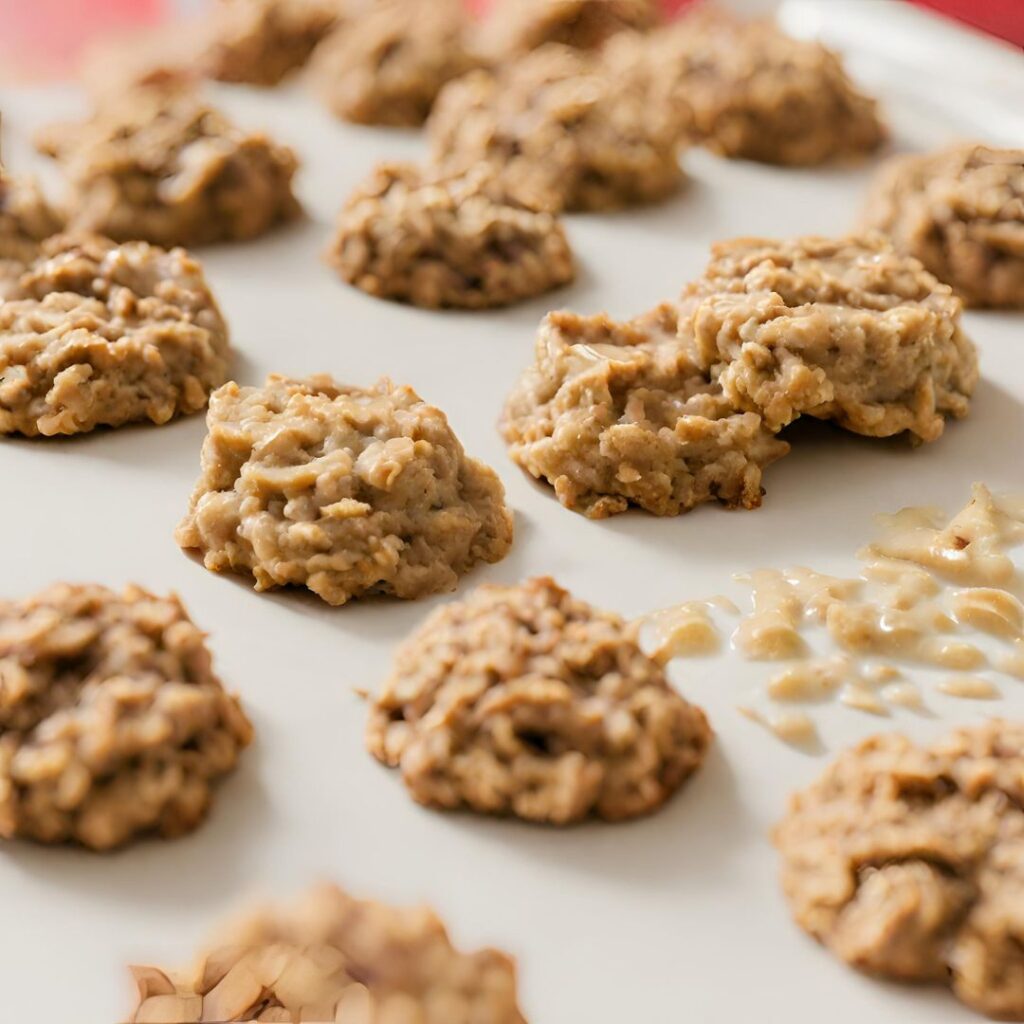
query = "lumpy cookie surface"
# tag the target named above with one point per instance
(844, 329)
(97, 334)
(960, 211)
(908, 862)
(347, 491)
(526, 701)
(112, 722)
(388, 65)
(618, 414)
(160, 164)
(564, 134)
(26, 220)
(332, 957)
(447, 240)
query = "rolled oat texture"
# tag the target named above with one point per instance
(844, 329)
(908, 862)
(618, 414)
(436, 239)
(388, 65)
(98, 334)
(113, 724)
(26, 219)
(334, 958)
(563, 133)
(160, 164)
(347, 491)
(526, 701)
(960, 211)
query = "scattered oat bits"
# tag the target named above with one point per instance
(334, 958)
(526, 701)
(113, 723)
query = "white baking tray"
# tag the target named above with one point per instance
(677, 917)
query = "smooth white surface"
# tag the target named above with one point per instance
(674, 918)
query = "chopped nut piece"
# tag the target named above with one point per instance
(969, 687)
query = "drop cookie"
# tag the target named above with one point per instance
(98, 334)
(960, 211)
(113, 724)
(347, 491)
(618, 414)
(526, 701)
(437, 239)
(843, 329)
(908, 862)
(26, 219)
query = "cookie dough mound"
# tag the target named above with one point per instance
(161, 165)
(616, 414)
(961, 213)
(564, 134)
(26, 219)
(523, 25)
(436, 239)
(333, 957)
(347, 491)
(908, 862)
(387, 66)
(843, 329)
(112, 723)
(261, 41)
(525, 701)
(97, 334)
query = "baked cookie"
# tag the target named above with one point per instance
(564, 134)
(617, 414)
(746, 89)
(347, 491)
(26, 219)
(262, 41)
(388, 65)
(843, 329)
(161, 165)
(436, 239)
(908, 862)
(960, 211)
(515, 27)
(334, 958)
(526, 701)
(97, 334)
(112, 723)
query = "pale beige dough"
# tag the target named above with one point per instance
(160, 164)
(436, 239)
(843, 329)
(564, 134)
(526, 701)
(26, 219)
(331, 957)
(960, 211)
(388, 65)
(97, 334)
(617, 414)
(347, 491)
(908, 862)
(113, 723)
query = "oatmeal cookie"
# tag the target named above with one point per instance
(843, 329)
(564, 134)
(526, 701)
(98, 334)
(436, 239)
(26, 219)
(112, 722)
(261, 41)
(616, 414)
(387, 66)
(961, 213)
(347, 491)
(516, 27)
(160, 164)
(908, 862)
(334, 957)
